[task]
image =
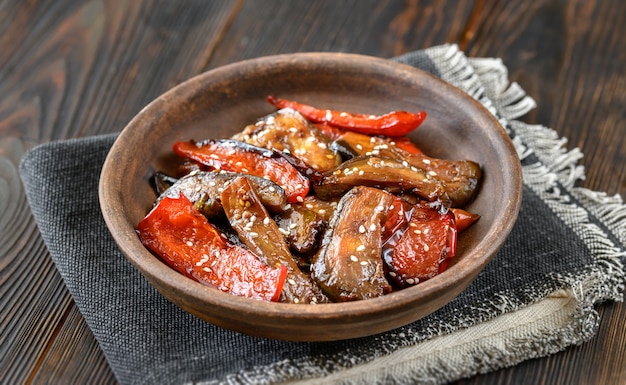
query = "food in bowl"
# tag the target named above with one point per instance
(311, 206)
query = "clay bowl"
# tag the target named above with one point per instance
(222, 101)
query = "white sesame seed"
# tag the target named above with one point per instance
(214, 156)
(418, 232)
(293, 225)
(321, 211)
(309, 206)
(392, 273)
(426, 248)
(207, 269)
(362, 229)
(353, 258)
(253, 234)
(189, 243)
(360, 248)
(432, 173)
(291, 281)
(212, 184)
(426, 161)
(410, 281)
(266, 220)
(300, 199)
(284, 231)
(372, 227)
(364, 263)
(359, 147)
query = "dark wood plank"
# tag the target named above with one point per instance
(71, 69)
(381, 28)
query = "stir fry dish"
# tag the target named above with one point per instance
(310, 205)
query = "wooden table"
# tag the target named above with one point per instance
(78, 68)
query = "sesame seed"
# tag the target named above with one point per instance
(372, 227)
(353, 258)
(253, 234)
(410, 281)
(432, 173)
(392, 273)
(212, 184)
(284, 231)
(309, 206)
(207, 269)
(293, 130)
(214, 156)
(266, 220)
(361, 172)
(330, 156)
(364, 263)
(360, 248)
(362, 229)
(322, 145)
(189, 243)
(426, 161)
(300, 199)
(296, 300)
(293, 225)
(359, 147)
(418, 232)
(198, 188)
(291, 281)
(426, 248)
(329, 115)
(321, 211)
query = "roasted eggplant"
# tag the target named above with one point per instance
(261, 234)
(383, 173)
(348, 265)
(204, 189)
(288, 131)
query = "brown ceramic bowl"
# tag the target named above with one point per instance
(222, 101)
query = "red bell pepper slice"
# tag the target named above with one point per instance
(463, 218)
(186, 241)
(236, 156)
(423, 249)
(395, 123)
(396, 219)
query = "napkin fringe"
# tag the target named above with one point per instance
(487, 80)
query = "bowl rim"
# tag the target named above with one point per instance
(150, 266)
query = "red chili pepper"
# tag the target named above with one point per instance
(395, 123)
(463, 218)
(186, 240)
(235, 156)
(423, 249)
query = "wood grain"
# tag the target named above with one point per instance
(77, 68)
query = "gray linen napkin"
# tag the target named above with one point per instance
(535, 298)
